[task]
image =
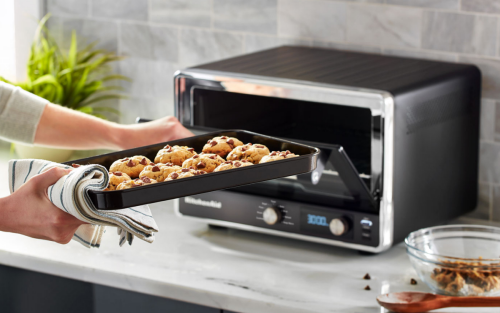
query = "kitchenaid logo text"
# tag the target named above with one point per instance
(210, 204)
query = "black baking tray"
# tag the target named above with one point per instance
(119, 199)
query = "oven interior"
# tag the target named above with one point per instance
(343, 133)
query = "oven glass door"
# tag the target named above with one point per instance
(332, 128)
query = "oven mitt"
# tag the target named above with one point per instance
(70, 194)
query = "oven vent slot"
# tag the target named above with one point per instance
(437, 110)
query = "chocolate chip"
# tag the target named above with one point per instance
(237, 164)
(287, 152)
(147, 180)
(243, 149)
(75, 165)
(244, 161)
(155, 168)
(191, 149)
(212, 157)
(191, 167)
(202, 172)
(200, 165)
(185, 170)
(367, 287)
(126, 159)
(367, 276)
(228, 162)
(174, 175)
(137, 179)
(230, 141)
(152, 164)
(167, 147)
(130, 163)
(209, 141)
(413, 281)
(169, 150)
(117, 173)
(213, 143)
(144, 161)
(260, 147)
(273, 153)
(224, 137)
(196, 156)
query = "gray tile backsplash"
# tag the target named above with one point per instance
(160, 36)
(197, 13)
(258, 16)
(384, 25)
(317, 19)
(457, 32)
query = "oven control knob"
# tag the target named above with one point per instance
(272, 216)
(339, 226)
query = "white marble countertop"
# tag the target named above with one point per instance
(226, 269)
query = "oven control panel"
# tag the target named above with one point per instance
(284, 216)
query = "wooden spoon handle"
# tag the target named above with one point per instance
(473, 301)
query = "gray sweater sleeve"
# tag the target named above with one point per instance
(20, 113)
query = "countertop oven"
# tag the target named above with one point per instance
(398, 139)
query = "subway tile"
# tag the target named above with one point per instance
(201, 46)
(87, 31)
(256, 43)
(435, 4)
(464, 33)
(149, 42)
(495, 216)
(318, 19)
(153, 79)
(489, 162)
(257, 16)
(482, 210)
(490, 70)
(488, 117)
(123, 9)
(149, 108)
(366, 1)
(73, 7)
(346, 46)
(182, 12)
(384, 26)
(486, 6)
(418, 54)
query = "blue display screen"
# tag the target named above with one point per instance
(316, 220)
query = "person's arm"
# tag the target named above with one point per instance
(28, 211)
(62, 127)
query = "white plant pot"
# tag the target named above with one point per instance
(43, 153)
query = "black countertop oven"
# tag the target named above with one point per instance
(398, 139)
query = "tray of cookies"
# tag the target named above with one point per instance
(199, 164)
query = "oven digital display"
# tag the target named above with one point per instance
(316, 220)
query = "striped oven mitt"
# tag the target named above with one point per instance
(70, 194)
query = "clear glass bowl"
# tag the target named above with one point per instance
(457, 260)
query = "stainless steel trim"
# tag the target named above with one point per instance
(379, 102)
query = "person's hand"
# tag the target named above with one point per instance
(28, 211)
(160, 130)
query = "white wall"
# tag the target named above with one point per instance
(18, 22)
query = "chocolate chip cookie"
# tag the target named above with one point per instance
(159, 171)
(276, 155)
(206, 162)
(132, 166)
(116, 178)
(250, 152)
(183, 173)
(175, 154)
(221, 145)
(232, 164)
(136, 183)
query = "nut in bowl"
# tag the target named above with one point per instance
(457, 260)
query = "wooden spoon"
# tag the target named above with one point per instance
(408, 302)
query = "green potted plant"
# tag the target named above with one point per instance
(77, 79)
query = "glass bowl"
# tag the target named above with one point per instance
(457, 260)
